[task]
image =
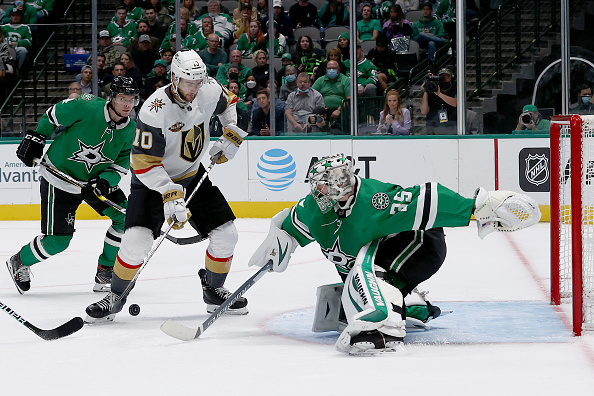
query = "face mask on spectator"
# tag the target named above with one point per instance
(233, 76)
(332, 73)
(250, 84)
(586, 99)
(303, 90)
(291, 78)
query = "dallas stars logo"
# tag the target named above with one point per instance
(70, 219)
(338, 257)
(90, 155)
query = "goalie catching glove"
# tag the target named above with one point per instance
(174, 206)
(228, 144)
(30, 150)
(504, 211)
(278, 245)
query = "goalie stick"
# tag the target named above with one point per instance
(72, 326)
(184, 333)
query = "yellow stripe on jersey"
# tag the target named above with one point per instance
(140, 162)
(189, 174)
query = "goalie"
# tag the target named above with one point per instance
(384, 240)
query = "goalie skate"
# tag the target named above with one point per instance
(104, 310)
(215, 296)
(374, 343)
(103, 279)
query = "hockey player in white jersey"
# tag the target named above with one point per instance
(172, 135)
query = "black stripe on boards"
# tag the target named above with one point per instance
(38, 250)
(426, 206)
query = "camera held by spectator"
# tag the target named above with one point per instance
(526, 118)
(432, 83)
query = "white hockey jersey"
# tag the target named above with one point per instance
(170, 140)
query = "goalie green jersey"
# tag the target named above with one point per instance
(377, 209)
(90, 144)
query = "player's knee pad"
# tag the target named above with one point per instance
(54, 244)
(136, 243)
(223, 240)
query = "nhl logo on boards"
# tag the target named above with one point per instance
(380, 200)
(534, 172)
(537, 170)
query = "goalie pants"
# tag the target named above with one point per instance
(58, 210)
(411, 257)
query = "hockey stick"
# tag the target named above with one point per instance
(165, 233)
(72, 326)
(184, 240)
(184, 333)
(67, 178)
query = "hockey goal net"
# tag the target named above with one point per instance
(572, 217)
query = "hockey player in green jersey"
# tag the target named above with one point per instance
(384, 240)
(94, 150)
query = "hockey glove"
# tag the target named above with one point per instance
(95, 187)
(30, 150)
(174, 206)
(278, 246)
(228, 144)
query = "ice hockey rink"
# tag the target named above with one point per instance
(503, 337)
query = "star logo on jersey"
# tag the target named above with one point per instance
(380, 200)
(177, 126)
(343, 261)
(192, 143)
(157, 105)
(90, 155)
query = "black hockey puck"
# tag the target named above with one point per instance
(134, 309)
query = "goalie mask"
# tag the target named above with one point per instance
(187, 65)
(331, 178)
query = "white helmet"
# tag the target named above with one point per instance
(187, 64)
(336, 173)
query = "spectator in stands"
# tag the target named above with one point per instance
(333, 54)
(106, 47)
(213, 56)
(251, 41)
(143, 57)
(333, 13)
(44, 9)
(280, 41)
(584, 103)
(162, 13)
(290, 84)
(286, 60)
(242, 25)
(157, 29)
(155, 79)
(261, 115)
(122, 30)
(132, 70)
(188, 31)
(366, 74)
(28, 13)
(234, 58)
(74, 90)
(222, 23)
(335, 89)
(206, 29)
(394, 118)
(344, 45)
(85, 79)
(368, 28)
(408, 5)
(192, 9)
(531, 121)
(135, 13)
(385, 61)
(237, 12)
(282, 22)
(243, 114)
(301, 104)
(446, 11)
(303, 13)
(118, 70)
(262, 9)
(18, 35)
(248, 91)
(104, 75)
(428, 32)
(381, 11)
(439, 107)
(262, 70)
(167, 56)
(306, 57)
(397, 25)
(143, 28)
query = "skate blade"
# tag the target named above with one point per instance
(239, 311)
(105, 319)
(102, 287)
(395, 348)
(19, 289)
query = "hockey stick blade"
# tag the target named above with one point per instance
(72, 326)
(184, 240)
(184, 333)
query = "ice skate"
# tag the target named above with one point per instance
(105, 309)
(215, 296)
(103, 279)
(420, 310)
(20, 273)
(370, 343)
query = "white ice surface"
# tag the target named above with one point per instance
(247, 355)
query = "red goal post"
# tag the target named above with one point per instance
(572, 197)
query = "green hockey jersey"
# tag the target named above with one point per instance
(378, 209)
(90, 145)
